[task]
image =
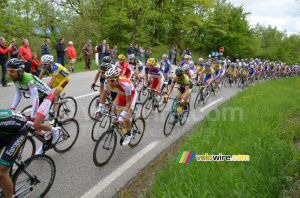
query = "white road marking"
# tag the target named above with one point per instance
(211, 104)
(93, 192)
(82, 96)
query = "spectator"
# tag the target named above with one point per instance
(71, 56)
(149, 52)
(175, 49)
(235, 58)
(101, 51)
(14, 54)
(146, 57)
(188, 51)
(130, 50)
(45, 47)
(60, 50)
(173, 55)
(108, 51)
(142, 51)
(3, 59)
(35, 64)
(114, 54)
(170, 53)
(136, 51)
(88, 52)
(25, 54)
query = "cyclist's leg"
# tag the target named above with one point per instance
(60, 87)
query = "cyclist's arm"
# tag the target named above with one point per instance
(50, 83)
(35, 98)
(146, 79)
(185, 95)
(97, 76)
(171, 88)
(17, 98)
(123, 72)
(41, 74)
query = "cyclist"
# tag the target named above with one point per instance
(124, 102)
(124, 68)
(155, 74)
(42, 97)
(232, 70)
(185, 87)
(218, 72)
(13, 133)
(198, 70)
(208, 72)
(59, 80)
(251, 72)
(167, 67)
(136, 65)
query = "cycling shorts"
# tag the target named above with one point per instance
(45, 104)
(60, 85)
(217, 73)
(182, 90)
(206, 78)
(155, 82)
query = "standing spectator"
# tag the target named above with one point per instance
(175, 49)
(45, 47)
(108, 51)
(60, 50)
(101, 51)
(15, 54)
(130, 50)
(25, 54)
(4, 58)
(35, 64)
(235, 58)
(188, 51)
(173, 55)
(71, 56)
(136, 51)
(170, 53)
(88, 52)
(142, 51)
(149, 51)
(114, 54)
(146, 57)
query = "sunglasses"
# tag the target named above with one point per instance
(12, 71)
(179, 76)
(111, 80)
(121, 59)
(131, 59)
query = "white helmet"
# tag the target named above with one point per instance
(190, 57)
(186, 56)
(165, 56)
(201, 59)
(185, 67)
(47, 59)
(131, 56)
(112, 73)
(251, 66)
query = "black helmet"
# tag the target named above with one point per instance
(105, 66)
(106, 59)
(15, 63)
(179, 72)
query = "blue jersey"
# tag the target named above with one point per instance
(166, 65)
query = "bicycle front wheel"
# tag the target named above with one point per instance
(93, 107)
(138, 130)
(105, 148)
(68, 135)
(198, 99)
(100, 126)
(34, 177)
(147, 108)
(27, 110)
(185, 115)
(27, 150)
(67, 110)
(170, 122)
(143, 95)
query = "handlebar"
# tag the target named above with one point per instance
(24, 95)
(93, 88)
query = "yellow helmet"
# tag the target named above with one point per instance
(151, 61)
(121, 56)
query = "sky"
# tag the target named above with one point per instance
(284, 14)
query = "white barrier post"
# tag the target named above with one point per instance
(96, 57)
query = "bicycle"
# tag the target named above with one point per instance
(109, 138)
(174, 116)
(151, 103)
(200, 96)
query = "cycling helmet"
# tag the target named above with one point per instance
(105, 66)
(131, 56)
(165, 56)
(242, 60)
(217, 62)
(47, 59)
(251, 66)
(151, 61)
(222, 62)
(237, 60)
(179, 72)
(190, 57)
(185, 67)
(207, 65)
(200, 59)
(121, 56)
(15, 63)
(155, 60)
(186, 56)
(112, 73)
(215, 58)
(106, 59)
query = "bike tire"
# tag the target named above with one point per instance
(183, 118)
(67, 127)
(143, 95)
(206, 95)
(27, 150)
(36, 166)
(67, 110)
(27, 110)
(137, 131)
(170, 120)
(100, 126)
(108, 135)
(198, 99)
(93, 107)
(148, 105)
(161, 107)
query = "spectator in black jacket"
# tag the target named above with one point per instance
(60, 50)
(130, 50)
(101, 51)
(45, 47)
(15, 54)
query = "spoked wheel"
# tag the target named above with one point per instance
(35, 177)
(68, 135)
(143, 95)
(162, 104)
(199, 99)
(100, 126)
(67, 110)
(170, 122)
(105, 148)
(27, 110)
(185, 115)
(226, 81)
(206, 94)
(138, 130)
(93, 107)
(27, 150)
(147, 108)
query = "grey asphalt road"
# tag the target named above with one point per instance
(77, 176)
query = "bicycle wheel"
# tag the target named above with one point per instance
(162, 105)
(139, 85)
(27, 150)
(68, 135)
(143, 95)
(185, 115)
(170, 122)
(34, 177)
(206, 94)
(100, 126)
(93, 107)
(105, 148)
(198, 99)
(226, 81)
(67, 110)
(27, 110)
(147, 108)
(138, 130)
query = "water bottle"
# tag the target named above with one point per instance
(47, 135)
(179, 110)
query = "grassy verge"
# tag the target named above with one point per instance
(263, 122)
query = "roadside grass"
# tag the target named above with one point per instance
(262, 122)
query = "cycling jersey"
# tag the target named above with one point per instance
(166, 65)
(209, 72)
(59, 70)
(200, 66)
(217, 68)
(125, 66)
(134, 64)
(154, 73)
(185, 81)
